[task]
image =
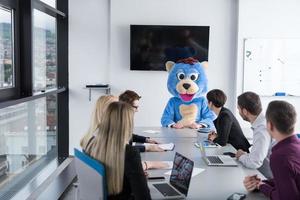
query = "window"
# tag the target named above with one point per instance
(6, 49)
(27, 136)
(34, 129)
(50, 2)
(44, 51)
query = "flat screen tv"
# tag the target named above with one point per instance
(152, 45)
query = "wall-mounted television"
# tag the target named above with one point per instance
(152, 45)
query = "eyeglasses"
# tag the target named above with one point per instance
(136, 107)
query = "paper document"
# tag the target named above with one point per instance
(151, 131)
(196, 171)
(167, 147)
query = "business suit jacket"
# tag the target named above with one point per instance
(138, 139)
(229, 131)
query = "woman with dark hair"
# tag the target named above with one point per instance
(227, 126)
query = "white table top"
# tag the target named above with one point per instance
(165, 132)
(214, 182)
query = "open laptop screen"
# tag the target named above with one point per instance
(181, 173)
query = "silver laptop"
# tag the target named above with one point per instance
(217, 160)
(178, 186)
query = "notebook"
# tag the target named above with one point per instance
(166, 146)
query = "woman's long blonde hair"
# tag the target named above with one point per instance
(110, 141)
(101, 105)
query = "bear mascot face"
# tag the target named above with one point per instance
(187, 82)
(187, 79)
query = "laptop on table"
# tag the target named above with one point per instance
(217, 160)
(178, 186)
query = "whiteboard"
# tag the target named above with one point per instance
(272, 65)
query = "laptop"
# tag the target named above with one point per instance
(217, 160)
(178, 186)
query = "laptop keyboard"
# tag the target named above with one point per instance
(166, 189)
(214, 160)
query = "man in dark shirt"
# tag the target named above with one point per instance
(285, 157)
(227, 126)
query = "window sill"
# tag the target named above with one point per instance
(30, 98)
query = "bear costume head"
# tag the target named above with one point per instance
(187, 79)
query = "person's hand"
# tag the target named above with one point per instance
(151, 141)
(146, 173)
(177, 126)
(194, 125)
(239, 153)
(252, 182)
(259, 184)
(211, 136)
(153, 148)
(157, 165)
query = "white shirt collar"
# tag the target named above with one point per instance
(260, 119)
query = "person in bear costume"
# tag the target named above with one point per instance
(187, 82)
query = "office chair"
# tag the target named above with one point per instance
(91, 177)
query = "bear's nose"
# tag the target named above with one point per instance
(186, 85)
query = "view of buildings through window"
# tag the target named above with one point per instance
(27, 134)
(50, 2)
(44, 51)
(6, 49)
(28, 131)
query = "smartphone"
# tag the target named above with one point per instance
(156, 178)
(237, 196)
(207, 143)
(232, 155)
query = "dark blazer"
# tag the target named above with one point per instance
(138, 139)
(135, 138)
(229, 131)
(134, 183)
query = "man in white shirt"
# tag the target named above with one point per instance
(250, 109)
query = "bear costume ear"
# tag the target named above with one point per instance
(169, 65)
(204, 64)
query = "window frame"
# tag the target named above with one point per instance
(23, 56)
(13, 92)
(23, 90)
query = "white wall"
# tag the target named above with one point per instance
(88, 60)
(99, 29)
(99, 48)
(220, 15)
(267, 19)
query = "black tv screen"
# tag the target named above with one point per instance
(152, 45)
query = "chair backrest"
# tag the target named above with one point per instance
(91, 177)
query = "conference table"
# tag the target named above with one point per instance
(214, 182)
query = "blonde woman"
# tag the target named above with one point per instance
(125, 175)
(100, 107)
